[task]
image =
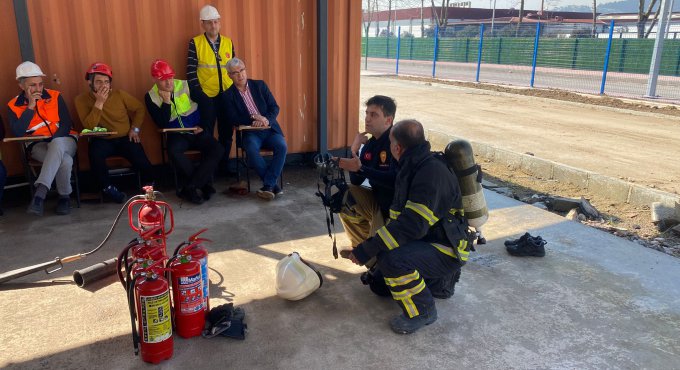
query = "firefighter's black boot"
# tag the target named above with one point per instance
(404, 325)
(443, 288)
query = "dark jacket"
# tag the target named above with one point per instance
(264, 100)
(425, 193)
(380, 168)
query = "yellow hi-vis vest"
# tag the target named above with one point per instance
(183, 106)
(207, 64)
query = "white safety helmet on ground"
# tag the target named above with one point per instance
(29, 69)
(295, 278)
(209, 13)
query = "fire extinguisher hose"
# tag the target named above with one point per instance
(58, 263)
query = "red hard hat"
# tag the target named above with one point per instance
(100, 68)
(161, 70)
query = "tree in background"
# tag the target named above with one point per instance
(643, 17)
(441, 17)
(370, 8)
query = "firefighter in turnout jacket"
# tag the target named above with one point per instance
(426, 236)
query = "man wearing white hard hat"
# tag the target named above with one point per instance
(38, 111)
(207, 75)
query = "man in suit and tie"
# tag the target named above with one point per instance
(249, 102)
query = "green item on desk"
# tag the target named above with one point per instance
(96, 129)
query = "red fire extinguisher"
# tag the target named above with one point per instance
(187, 294)
(151, 216)
(143, 248)
(194, 246)
(149, 303)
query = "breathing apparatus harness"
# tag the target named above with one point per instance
(333, 194)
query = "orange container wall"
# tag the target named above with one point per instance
(276, 39)
(11, 57)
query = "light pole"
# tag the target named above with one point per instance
(493, 16)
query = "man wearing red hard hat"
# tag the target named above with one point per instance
(103, 106)
(170, 105)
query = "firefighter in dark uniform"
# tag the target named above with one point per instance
(367, 209)
(426, 237)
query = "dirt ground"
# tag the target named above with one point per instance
(621, 219)
(634, 140)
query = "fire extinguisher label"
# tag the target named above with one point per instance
(190, 294)
(156, 317)
(206, 282)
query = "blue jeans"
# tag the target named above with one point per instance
(265, 139)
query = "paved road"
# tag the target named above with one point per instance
(617, 84)
(619, 143)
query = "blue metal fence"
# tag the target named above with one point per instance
(531, 54)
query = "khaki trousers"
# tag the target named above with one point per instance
(362, 219)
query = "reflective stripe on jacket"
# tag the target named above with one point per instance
(183, 105)
(45, 121)
(207, 64)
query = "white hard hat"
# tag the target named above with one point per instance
(29, 69)
(209, 13)
(295, 278)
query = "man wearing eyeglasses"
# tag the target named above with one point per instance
(207, 75)
(170, 105)
(251, 103)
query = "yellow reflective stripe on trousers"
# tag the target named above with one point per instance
(422, 210)
(394, 214)
(410, 307)
(408, 293)
(387, 238)
(462, 246)
(402, 280)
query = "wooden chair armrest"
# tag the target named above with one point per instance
(25, 139)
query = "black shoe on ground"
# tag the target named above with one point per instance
(63, 206)
(36, 207)
(277, 190)
(534, 246)
(404, 325)
(189, 193)
(114, 194)
(266, 193)
(208, 191)
(517, 241)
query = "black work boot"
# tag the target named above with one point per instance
(443, 288)
(532, 246)
(63, 206)
(404, 325)
(375, 280)
(189, 193)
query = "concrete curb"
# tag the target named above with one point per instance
(608, 187)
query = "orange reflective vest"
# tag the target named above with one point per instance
(45, 121)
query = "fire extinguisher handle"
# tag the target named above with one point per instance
(168, 209)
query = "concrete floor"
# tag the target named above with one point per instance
(594, 301)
